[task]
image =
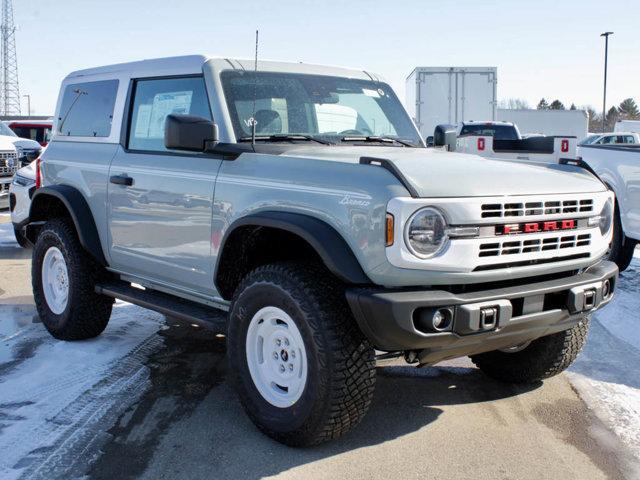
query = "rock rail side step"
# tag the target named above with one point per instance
(166, 304)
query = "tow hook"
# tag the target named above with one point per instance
(589, 297)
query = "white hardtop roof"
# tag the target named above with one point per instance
(192, 64)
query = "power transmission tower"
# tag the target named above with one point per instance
(10, 89)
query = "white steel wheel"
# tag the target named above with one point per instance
(276, 357)
(55, 280)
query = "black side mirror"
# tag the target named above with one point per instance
(189, 132)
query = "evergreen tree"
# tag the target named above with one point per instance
(628, 109)
(556, 105)
(543, 105)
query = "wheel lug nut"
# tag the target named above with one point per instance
(286, 341)
(278, 342)
(291, 367)
(275, 355)
(293, 354)
(282, 368)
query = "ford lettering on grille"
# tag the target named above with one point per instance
(536, 227)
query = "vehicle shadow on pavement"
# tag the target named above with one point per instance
(190, 425)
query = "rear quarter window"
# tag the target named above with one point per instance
(87, 109)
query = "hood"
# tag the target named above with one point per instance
(438, 173)
(26, 143)
(28, 171)
(6, 142)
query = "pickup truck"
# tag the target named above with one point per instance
(618, 138)
(502, 140)
(618, 166)
(9, 165)
(296, 209)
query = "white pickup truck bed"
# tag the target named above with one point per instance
(537, 149)
(619, 167)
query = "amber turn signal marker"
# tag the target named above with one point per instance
(389, 230)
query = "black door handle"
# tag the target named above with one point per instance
(125, 180)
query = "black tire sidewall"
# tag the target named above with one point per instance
(276, 419)
(20, 238)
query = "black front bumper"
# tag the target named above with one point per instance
(392, 320)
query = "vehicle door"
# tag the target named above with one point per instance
(160, 202)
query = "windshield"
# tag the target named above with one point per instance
(327, 108)
(5, 130)
(499, 132)
(590, 139)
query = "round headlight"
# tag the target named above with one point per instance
(606, 217)
(426, 232)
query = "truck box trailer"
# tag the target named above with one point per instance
(552, 123)
(448, 95)
(627, 126)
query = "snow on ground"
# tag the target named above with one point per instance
(57, 398)
(7, 237)
(607, 374)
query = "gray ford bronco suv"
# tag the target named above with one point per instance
(296, 208)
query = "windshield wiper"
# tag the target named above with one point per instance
(379, 139)
(284, 136)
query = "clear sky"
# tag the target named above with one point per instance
(542, 48)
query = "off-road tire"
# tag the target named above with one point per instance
(86, 313)
(341, 362)
(21, 239)
(542, 358)
(622, 247)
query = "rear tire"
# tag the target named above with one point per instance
(622, 247)
(21, 239)
(542, 358)
(63, 277)
(335, 376)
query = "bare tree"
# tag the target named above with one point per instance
(595, 120)
(514, 104)
(612, 117)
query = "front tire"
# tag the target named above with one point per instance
(302, 369)
(622, 247)
(63, 278)
(542, 358)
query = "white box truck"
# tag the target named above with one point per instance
(439, 95)
(627, 126)
(551, 123)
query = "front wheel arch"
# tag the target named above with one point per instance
(317, 238)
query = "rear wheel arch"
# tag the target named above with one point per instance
(64, 201)
(270, 236)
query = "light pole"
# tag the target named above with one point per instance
(604, 96)
(28, 104)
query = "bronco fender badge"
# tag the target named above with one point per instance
(357, 202)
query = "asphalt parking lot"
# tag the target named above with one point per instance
(148, 399)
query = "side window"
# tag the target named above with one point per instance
(87, 109)
(154, 99)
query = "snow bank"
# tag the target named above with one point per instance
(7, 237)
(56, 398)
(607, 374)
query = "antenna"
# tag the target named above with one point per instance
(255, 95)
(10, 90)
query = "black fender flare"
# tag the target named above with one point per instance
(80, 214)
(335, 252)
